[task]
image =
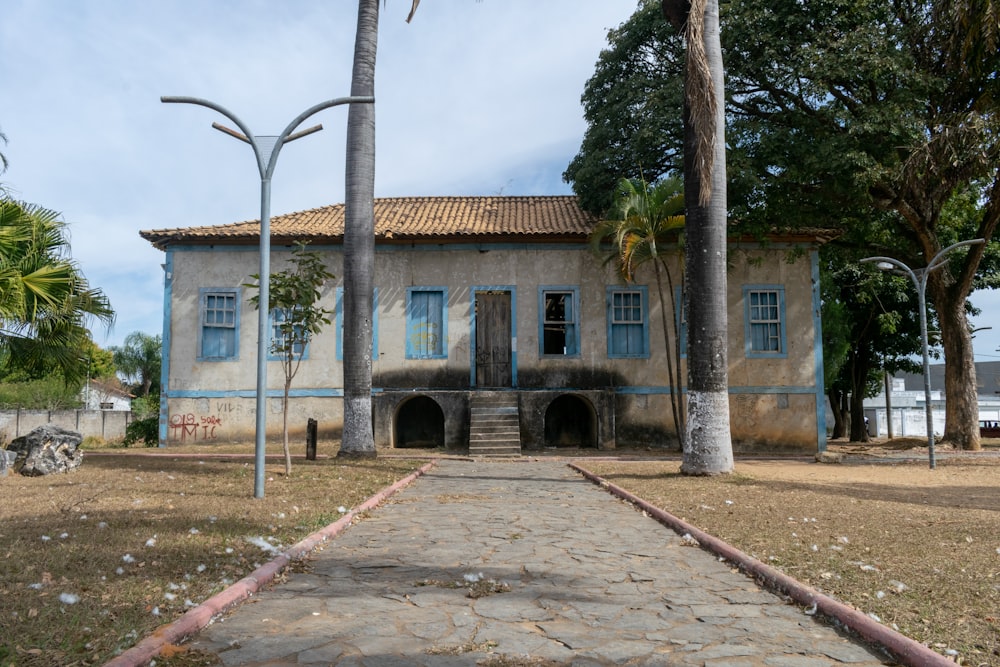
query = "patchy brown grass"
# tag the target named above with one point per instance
(918, 549)
(94, 560)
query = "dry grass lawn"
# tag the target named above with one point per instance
(96, 559)
(93, 560)
(915, 548)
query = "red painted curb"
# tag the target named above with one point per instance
(198, 617)
(907, 651)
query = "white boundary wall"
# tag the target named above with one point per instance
(105, 424)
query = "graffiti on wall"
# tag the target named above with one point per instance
(188, 426)
(234, 408)
(424, 338)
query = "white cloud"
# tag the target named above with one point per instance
(472, 98)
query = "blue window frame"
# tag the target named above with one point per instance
(558, 321)
(764, 320)
(628, 322)
(219, 330)
(299, 349)
(339, 323)
(427, 323)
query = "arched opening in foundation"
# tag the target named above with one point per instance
(419, 423)
(570, 421)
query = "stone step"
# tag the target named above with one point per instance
(494, 425)
(495, 453)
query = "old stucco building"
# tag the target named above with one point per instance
(497, 296)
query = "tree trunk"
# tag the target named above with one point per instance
(359, 243)
(859, 429)
(845, 412)
(676, 398)
(961, 400)
(284, 429)
(839, 423)
(859, 364)
(708, 449)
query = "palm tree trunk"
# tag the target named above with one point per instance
(359, 243)
(708, 449)
(675, 390)
(678, 378)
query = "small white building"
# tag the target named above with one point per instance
(98, 395)
(907, 400)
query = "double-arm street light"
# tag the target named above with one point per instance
(919, 278)
(265, 149)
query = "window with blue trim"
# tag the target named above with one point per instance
(426, 322)
(279, 331)
(558, 321)
(339, 323)
(628, 322)
(220, 320)
(765, 315)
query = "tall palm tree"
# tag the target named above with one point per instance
(359, 240)
(644, 227)
(708, 448)
(359, 243)
(45, 301)
(139, 359)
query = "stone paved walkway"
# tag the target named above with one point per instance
(482, 562)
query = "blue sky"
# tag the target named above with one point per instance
(472, 98)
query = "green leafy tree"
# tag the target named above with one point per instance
(644, 227)
(293, 304)
(100, 362)
(884, 107)
(868, 328)
(633, 106)
(46, 393)
(46, 303)
(139, 360)
(870, 116)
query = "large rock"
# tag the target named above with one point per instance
(46, 450)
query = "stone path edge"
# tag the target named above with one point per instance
(907, 651)
(197, 618)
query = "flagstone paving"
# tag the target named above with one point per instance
(519, 563)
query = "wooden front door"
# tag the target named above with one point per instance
(493, 336)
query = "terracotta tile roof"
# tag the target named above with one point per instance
(410, 219)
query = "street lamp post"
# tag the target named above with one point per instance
(266, 152)
(919, 278)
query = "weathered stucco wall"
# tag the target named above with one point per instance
(774, 400)
(105, 424)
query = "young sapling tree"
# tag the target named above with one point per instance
(293, 303)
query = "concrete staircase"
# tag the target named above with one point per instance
(494, 425)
